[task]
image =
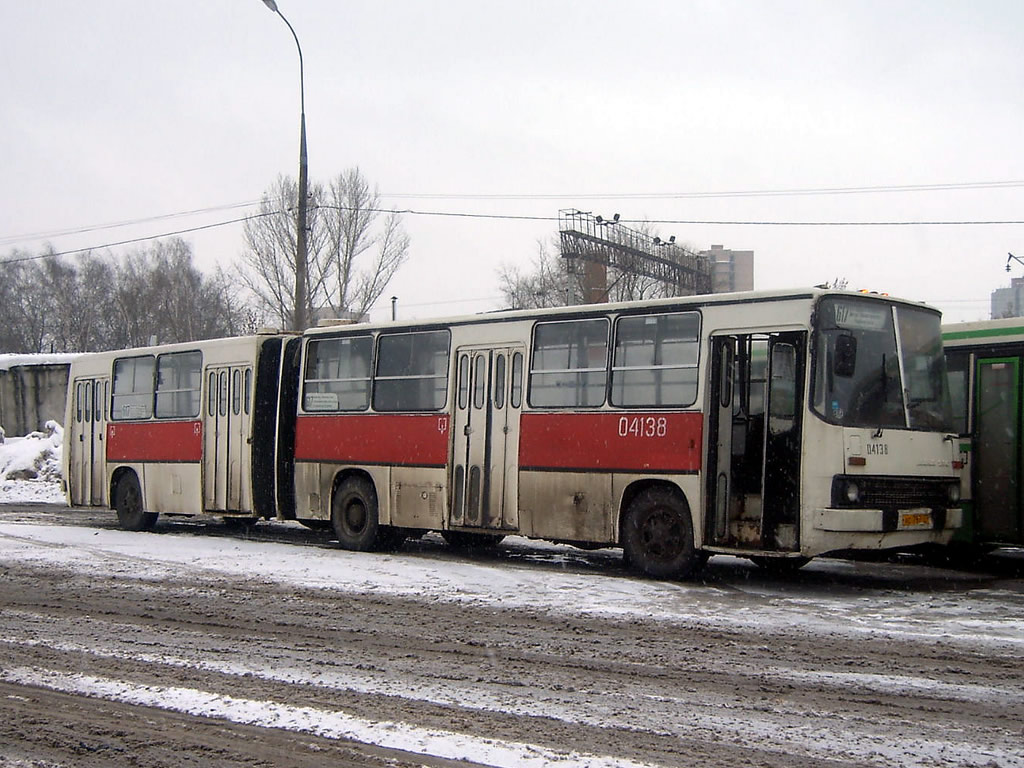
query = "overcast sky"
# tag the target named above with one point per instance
(124, 110)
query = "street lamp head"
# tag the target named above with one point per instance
(271, 5)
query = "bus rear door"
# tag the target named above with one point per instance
(88, 458)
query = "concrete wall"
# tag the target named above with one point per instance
(30, 395)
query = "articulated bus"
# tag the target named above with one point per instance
(773, 425)
(183, 429)
(985, 362)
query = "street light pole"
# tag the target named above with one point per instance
(299, 319)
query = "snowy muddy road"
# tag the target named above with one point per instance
(198, 645)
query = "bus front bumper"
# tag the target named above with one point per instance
(887, 520)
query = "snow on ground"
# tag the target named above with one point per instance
(30, 469)
(994, 623)
(990, 621)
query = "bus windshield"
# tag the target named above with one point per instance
(879, 365)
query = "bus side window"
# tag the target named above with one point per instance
(211, 394)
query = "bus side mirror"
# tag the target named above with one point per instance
(845, 361)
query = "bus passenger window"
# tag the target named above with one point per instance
(412, 371)
(337, 376)
(569, 366)
(133, 387)
(178, 382)
(655, 361)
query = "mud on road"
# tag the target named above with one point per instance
(131, 662)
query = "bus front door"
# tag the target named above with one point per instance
(485, 438)
(755, 427)
(225, 435)
(996, 448)
(87, 465)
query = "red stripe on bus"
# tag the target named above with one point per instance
(373, 438)
(178, 441)
(641, 442)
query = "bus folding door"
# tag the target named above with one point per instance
(486, 438)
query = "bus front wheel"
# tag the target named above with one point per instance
(128, 503)
(657, 536)
(354, 515)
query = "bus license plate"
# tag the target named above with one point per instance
(915, 519)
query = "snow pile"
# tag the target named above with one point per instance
(30, 466)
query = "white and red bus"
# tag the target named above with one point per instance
(776, 426)
(772, 425)
(183, 429)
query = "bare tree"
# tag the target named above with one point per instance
(161, 294)
(365, 249)
(96, 302)
(548, 284)
(268, 263)
(21, 330)
(354, 249)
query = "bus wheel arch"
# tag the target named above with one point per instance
(656, 531)
(127, 500)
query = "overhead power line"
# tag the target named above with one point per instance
(874, 189)
(514, 217)
(117, 224)
(133, 240)
(684, 195)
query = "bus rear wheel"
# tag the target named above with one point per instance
(128, 503)
(354, 515)
(657, 536)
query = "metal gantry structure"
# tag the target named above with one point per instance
(601, 244)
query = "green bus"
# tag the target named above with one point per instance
(985, 361)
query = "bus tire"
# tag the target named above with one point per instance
(657, 536)
(128, 502)
(354, 515)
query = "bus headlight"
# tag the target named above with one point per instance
(954, 493)
(852, 492)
